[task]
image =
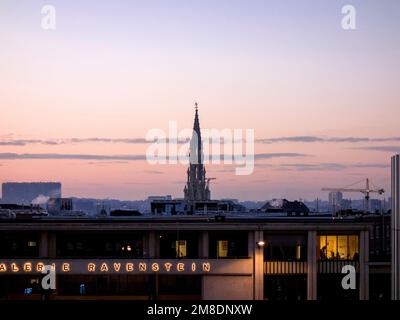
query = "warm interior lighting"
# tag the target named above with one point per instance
(222, 250)
(340, 247)
(180, 248)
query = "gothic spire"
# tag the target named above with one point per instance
(196, 188)
(195, 143)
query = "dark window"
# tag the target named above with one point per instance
(106, 285)
(329, 288)
(285, 288)
(179, 245)
(19, 245)
(129, 245)
(170, 285)
(228, 245)
(20, 287)
(380, 286)
(287, 247)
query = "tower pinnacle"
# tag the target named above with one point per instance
(196, 188)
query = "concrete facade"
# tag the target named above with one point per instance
(239, 278)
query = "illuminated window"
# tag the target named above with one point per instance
(176, 245)
(353, 247)
(298, 252)
(322, 247)
(31, 243)
(180, 247)
(331, 246)
(343, 247)
(222, 250)
(228, 244)
(342, 251)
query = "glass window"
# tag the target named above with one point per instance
(322, 248)
(19, 245)
(228, 244)
(222, 248)
(128, 245)
(179, 244)
(353, 247)
(331, 244)
(298, 252)
(343, 247)
(180, 247)
(287, 247)
(342, 250)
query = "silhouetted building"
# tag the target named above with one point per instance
(183, 207)
(18, 211)
(197, 186)
(125, 213)
(57, 205)
(335, 202)
(285, 207)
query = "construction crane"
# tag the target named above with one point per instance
(366, 191)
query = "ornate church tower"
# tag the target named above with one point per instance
(196, 188)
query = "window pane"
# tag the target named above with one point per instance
(228, 244)
(285, 247)
(342, 248)
(298, 252)
(180, 246)
(331, 246)
(322, 247)
(353, 247)
(222, 248)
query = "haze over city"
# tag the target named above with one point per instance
(78, 101)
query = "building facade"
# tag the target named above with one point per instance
(190, 257)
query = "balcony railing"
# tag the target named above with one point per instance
(335, 266)
(285, 267)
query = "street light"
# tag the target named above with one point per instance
(261, 243)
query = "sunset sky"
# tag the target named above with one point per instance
(76, 102)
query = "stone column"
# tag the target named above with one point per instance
(312, 265)
(250, 253)
(258, 260)
(250, 244)
(204, 245)
(44, 245)
(395, 226)
(364, 267)
(152, 245)
(203, 253)
(52, 245)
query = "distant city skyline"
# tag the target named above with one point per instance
(77, 101)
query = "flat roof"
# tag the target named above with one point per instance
(195, 222)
